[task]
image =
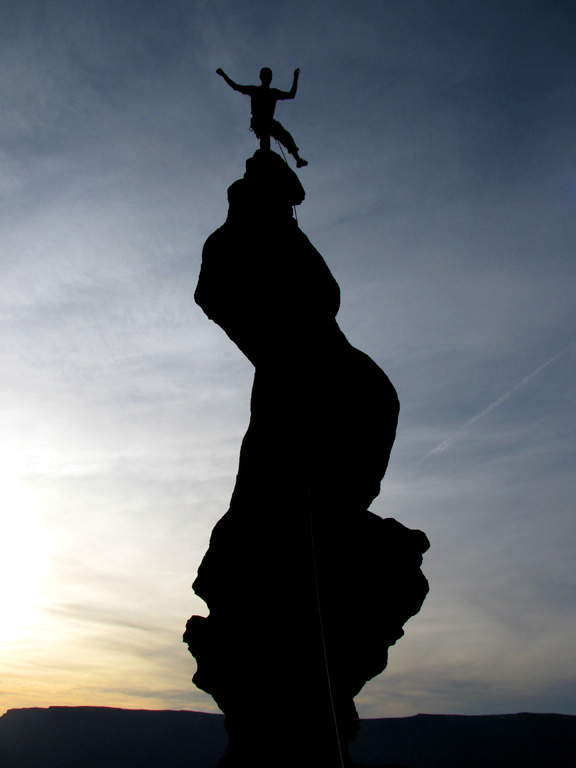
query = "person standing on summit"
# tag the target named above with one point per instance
(263, 103)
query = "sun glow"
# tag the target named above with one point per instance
(23, 556)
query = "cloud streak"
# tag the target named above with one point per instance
(449, 442)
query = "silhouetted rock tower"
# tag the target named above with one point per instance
(307, 589)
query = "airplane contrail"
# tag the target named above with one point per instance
(441, 447)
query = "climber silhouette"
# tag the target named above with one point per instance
(263, 103)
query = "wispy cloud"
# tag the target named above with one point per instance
(445, 444)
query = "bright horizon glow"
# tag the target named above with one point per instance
(23, 552)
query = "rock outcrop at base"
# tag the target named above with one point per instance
(307, 589)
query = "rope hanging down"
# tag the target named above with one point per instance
(317, 586)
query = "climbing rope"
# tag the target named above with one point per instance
(317, 588)
(314, 559)
(315, 563)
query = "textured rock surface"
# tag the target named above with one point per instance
(306, 588)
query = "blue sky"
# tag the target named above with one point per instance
(441, 191)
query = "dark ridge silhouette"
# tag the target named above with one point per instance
(98, 737)
(307, 589)
(101, 737)
(522, 740)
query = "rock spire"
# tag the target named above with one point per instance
(307, 589)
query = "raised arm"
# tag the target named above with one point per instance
(231, 83)
(292, 92)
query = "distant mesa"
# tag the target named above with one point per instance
(100, 737)
(307, 589)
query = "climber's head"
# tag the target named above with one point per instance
(266, 75)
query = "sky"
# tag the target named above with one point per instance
(441, 191)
